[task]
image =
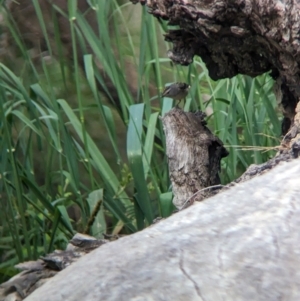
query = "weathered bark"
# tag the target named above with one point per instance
(194, 156)
(242, 244)
(238, 36)
(35, 273)
(232, 37)
(292, 138)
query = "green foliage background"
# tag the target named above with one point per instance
(63, 145)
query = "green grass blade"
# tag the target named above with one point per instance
(135, 158)
(95, 202)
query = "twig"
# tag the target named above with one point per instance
(206, 188)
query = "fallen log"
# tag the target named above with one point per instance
(242, 244)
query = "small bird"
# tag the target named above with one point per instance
(177, 91)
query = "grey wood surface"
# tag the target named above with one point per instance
(242, 244)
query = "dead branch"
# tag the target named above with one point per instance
(238, 37)
(194, 156)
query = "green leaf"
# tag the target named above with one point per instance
(166, 204)
(65, 217)
(135, 158)
(149, 143)
(95, 202)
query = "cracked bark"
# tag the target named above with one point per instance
(194, 156)
(232, 37)
(197, 288)
(238, 37)
(246, 217)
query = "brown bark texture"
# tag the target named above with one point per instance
(35, 273)
(238, 37)
(194, 156)
(243, 243)
(232, 37)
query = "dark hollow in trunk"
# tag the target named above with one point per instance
(194, 156)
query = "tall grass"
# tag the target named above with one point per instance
(63, 143)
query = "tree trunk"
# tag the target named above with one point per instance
(194, 156)
(238, 37)
(242, 244)
(231, 37)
